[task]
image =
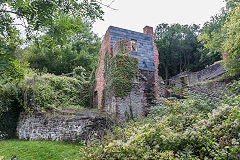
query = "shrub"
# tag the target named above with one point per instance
(187, 129)
(53, 92)
(9, 109)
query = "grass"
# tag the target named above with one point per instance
(38, 150)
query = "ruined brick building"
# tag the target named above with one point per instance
(142, 47)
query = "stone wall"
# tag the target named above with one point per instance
(214, 89)
(132, 106)
(61, 126)
(211, 72)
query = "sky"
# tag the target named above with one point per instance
(136, 14)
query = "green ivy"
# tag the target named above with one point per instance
(122, 70)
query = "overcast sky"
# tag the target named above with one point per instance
(136, 14)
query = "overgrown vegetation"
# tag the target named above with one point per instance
(122, 70)
(194, 128)
(221, 35)
(9, 110)
(40, 93)
(50, 92)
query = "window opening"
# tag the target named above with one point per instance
(133, 45)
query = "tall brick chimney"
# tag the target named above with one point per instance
(148, 30)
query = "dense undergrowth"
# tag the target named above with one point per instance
(39, 93)
(194, 128)
(50, 92)
(45, 92)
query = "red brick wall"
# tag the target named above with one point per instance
(100, 81)
(117, 46)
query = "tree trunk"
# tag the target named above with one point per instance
(166, 72)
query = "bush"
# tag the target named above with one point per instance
(50, 92)
(187, 129)
(9, 109)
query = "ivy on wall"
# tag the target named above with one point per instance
(122, 70)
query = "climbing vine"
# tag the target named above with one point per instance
(122, 70)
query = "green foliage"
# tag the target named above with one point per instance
(47, 55)
(178, 49)
(232, 42)
(40, 14)
(62, 21)
(231, 4)
(38, 150)
(8, 96)
(210, 37)
(187, 129)
(122, 70)
(221, 34)
(9, 109)
(15, 71)
(53, 92)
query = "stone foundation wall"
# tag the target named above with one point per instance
(213, 89)
(71, 127)
(194, 77)
(131, 106)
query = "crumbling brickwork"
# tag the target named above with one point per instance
(140, 46)
(122, 44)
(100, 81)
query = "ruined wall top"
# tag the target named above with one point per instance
(144, 46)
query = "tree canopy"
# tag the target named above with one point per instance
(178, 49)
(221, 35)
(231, 44)
(61, 20)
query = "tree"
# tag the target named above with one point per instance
(37, 17)
(221, 35)
(178, 49)
(213, 34)
(231, 4)
(231, 43)
(210, 33)
(58, 56)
